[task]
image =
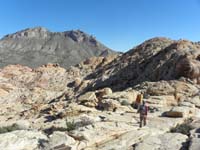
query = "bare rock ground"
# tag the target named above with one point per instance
(91, 106)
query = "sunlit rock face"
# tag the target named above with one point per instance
(154, 60)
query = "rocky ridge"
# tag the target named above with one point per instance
(154, 60)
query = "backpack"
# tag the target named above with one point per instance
(143, 110)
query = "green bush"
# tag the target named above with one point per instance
(183, 128)
(10, 128)
(71, 125)
(125, 103)
(84, 121)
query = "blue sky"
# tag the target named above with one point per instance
(119, 24)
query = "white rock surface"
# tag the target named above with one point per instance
(59, 138)
(167, 141)
(22, 140)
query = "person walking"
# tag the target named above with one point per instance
(143, 110)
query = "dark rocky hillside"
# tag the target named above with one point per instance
(154, 60)
(38, 46)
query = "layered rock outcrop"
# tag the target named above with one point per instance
(154, 60)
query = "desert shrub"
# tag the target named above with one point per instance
(125, 103)
(84, 121)
(10, 128)
(183, 128)
(71, 125)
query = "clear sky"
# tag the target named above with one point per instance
(119, 24)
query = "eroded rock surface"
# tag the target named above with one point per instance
(93, 105)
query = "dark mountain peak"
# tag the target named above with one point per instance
(80, 36)
(37, 46)
(78, 31)
(42, 33)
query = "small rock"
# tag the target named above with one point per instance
(58, 138)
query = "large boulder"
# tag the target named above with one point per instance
(161, 101)
(74, 110)
(103, 92)
(59, 138)
(180, 111)
(194, 144)
(88, 99)
(187, 104)
(158, 88)
(195, 100)
(167, 141)
(109, 104)
(181, 89)
(194, 141)
(18, 140)
(77, 82)
(184, 90)
(129, 96)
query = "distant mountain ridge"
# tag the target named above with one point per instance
(37, 46)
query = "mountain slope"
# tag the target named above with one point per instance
(154, 60)
(38, 46)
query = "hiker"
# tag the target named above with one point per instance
(143, 109)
